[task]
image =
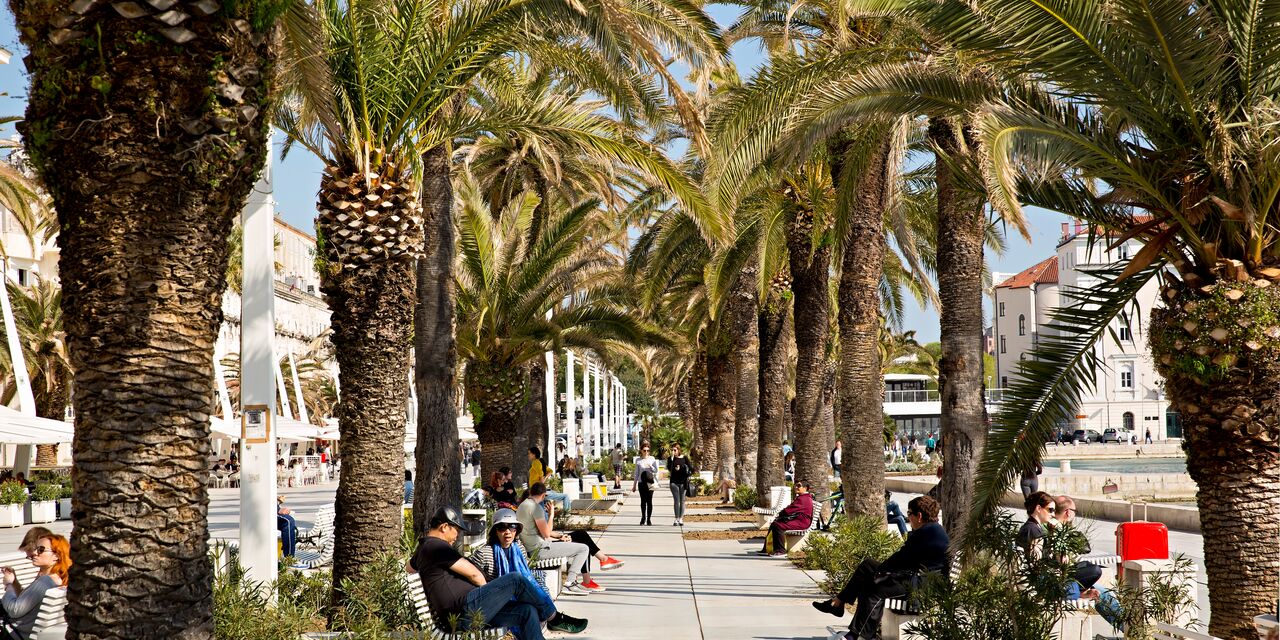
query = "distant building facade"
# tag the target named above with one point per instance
(1128, 393)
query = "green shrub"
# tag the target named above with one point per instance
(744, 498)
(901, 466)
(64, 491)
(12, 492)
(242, 610)
(839, 551)
(700, 486)
(45, 492)
(376, 602)
(1162, 599)
(554, 483)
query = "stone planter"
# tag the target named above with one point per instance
(64, 508)
(41, 512)
(11, 515)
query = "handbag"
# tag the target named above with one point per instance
(689, 490)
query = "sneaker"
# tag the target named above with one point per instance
(611, 563)
(575, 589)
(593, 586)
(567, 624)
(825, 606)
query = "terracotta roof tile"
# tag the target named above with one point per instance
(1042, 273)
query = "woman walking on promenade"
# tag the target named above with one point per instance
(646, 479)
(680, 469)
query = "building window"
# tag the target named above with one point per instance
(1126, 376)
(22, 277)
(1001, 309)
(1122, 252)
(1127, 420)
(1022, 325)
(1002, 344)
(1004, 382)
(1126, 330)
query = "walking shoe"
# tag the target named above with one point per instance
(825, 606)
(567, 624)
(593, 586)
(611, 563)
(575, 589)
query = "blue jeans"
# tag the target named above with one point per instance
(514, 602)
(288, 529)
(895, 516)
(562, 498)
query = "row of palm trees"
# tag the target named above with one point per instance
(488, 163)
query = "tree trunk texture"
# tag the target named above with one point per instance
(743, 314)
(533, 419)
(861, 387)
(1230, 430)
(961, 231)
(498, 390)
(435, 354)
(51, 403)
(809, 275)
(722, 390)
(148, 158)
(705, 456)
(775, 341)
(372, 316)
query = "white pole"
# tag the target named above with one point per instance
(570, 407)
(626, 422)
(284, 396)
(599, 417)
(26, 399)
(586, 405)
(257, 368)
(297, 391)
(619, 410)
(550, 377)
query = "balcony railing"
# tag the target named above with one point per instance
(931, 395)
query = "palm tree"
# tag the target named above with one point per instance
(37, 312)
(1153, 121)
(146, 133)
(506, 287)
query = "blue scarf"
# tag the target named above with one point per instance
(510, 559)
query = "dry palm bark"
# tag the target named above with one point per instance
(144, 122)
(743, 315)
(775, 341)
(435, 354)
(809, 275)
(722, 390)
(961, 231)
(861, 422)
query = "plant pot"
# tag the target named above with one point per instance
(41, 512)
(11, 515)
(64, 508)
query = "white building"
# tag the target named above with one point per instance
(1129, 393)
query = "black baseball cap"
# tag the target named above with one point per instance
(454, 517)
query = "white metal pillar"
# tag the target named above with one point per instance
(570, 408)
(586, 405)
(597, 423)
(620, 410)
(26, 399)
(280, 388)
(258, 368)
(606, 409)
(297, 391)
(550, 390)
(626, 422)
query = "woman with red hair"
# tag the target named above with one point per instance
(20, 605)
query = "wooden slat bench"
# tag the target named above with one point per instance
(413, 588)
(779, 498)
(321, 527)
(1170, 632)
(795, 539)
(51, 622)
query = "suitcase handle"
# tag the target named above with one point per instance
(1144, 511)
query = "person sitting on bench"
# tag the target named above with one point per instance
(797, 516)
(894, 514)
(456, 589)
(924, 551)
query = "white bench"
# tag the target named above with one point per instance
(1170, 632)
(303, 559)
(779, 498)
(321, 527)
(51, 622)
(413, 588)
(795, 538)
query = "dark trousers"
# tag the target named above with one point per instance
(646, 505)
(1087, 574)
(582, 537)
(869, 594)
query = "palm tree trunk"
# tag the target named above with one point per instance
(705, 452)
(743, 313)
(498, 390)
(435, 355)
(52, 404)
(1230, 430)
(775, 341)
(147, 186)
(722, 389)
(861, 388)
(961, 232)
(809, 274)
(372, 308)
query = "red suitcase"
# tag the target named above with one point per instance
(1142, 540)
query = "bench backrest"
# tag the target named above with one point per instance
(418, 597)
(1170, 632)
(51, 615)
(22, 567)
(779, 497)
(324, 521)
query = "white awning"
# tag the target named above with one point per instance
(17, 428)
(287, 429)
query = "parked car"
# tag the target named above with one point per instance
(1116, 435)
(1086, 436)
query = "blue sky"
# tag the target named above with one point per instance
(298, 177)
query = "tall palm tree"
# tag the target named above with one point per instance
(1155, 120)
(506, 287)
(37, 313)
(146, 132)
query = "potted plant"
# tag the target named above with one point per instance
(42, 506)
(64, 502)
(12, 496)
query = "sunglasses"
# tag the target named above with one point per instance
(38, 550)
(506, 527)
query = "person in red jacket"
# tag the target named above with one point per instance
(798, 516)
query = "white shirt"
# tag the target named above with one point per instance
(647, 462)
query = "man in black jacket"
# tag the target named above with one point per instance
(924, 551)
